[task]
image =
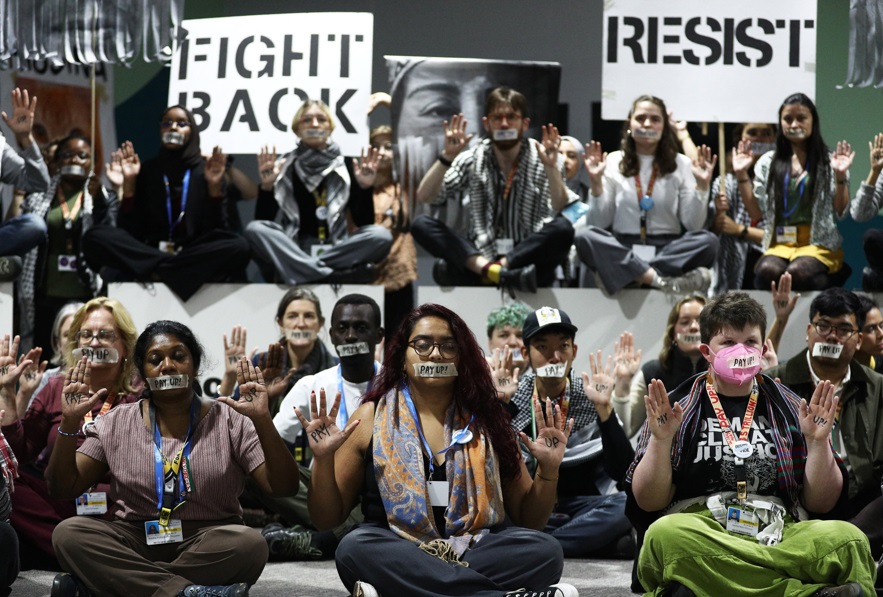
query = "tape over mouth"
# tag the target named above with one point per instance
(353, 349)
(435, 370)
(168, 382)
(97, 355)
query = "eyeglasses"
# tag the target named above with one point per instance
(510, 116)
(167, 124)
(86, 336)
(841, 332)
(83, 155)
(424, 347)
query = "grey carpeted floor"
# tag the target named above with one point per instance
(593, 578)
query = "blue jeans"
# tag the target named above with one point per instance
(21, 234)
(596, 522)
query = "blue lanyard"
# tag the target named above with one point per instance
(455, 440)
(800, 186)
(342, 412)
(161, 462)
(186, 187)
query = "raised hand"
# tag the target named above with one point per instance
(551, 141)
(23, 109)
(817, 417)
(32, 374)
(783, 302)
(234, 350)
(703, 167)
(215, 166)
(627, 362)
(377, 99)
(595, 160)
(76, 395)
(131, 165)
(113, 170)
(321, 430)
(664, 420)
(842, 159)
(769, 358)
(599, 388)
(456, 139)
(365, 168)
(9, 370)
(253, 398)
(268, 168)
(504, 374)
(742, 158)
(271, 364)
(552, 434)
(875, 148)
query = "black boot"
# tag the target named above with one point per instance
(68, 585)
(519, 278)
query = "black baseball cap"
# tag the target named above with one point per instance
(545, 319)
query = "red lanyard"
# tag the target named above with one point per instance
(509, 180)
(108, 403)
(729, 436)
(69, 215)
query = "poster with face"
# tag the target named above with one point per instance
(427, 91)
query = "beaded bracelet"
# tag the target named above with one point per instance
(60, 432)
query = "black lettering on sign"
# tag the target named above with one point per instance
(240, 97)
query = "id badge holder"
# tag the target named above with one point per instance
(742, 520)
(317, 250)
(438, 493)
(786, 235)
(67, 263)
(644, 252)
(93, 503)
(167, 246)
(504, 246)
(157, 534)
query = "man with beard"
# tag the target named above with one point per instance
(833, 336)
(514, 185)
(355, 331)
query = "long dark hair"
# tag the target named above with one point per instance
(474, 390)
(179, 331)
(666, 158)
(816, 155)
(175, 161)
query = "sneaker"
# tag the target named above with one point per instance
(520, 278)
(237, 590)
(363, 589)
(10, 268)
(290, 544)
(695, 281)
(562, 589)
(853, 589)
(68, 585)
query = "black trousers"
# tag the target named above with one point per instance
(546, 249)
(217, 256)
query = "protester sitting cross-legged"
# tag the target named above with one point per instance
(589, 517)
(441, 520)
(800, 190)
(355, 331)
(177, 463)
(730, 469)
(9, 555)
(314, 219)
(866, 205)
(172, 227)
(642, 199)
(102, 331)
(515, 187)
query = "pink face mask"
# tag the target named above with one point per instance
(736, 364)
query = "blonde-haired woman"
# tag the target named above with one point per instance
(103, 331)
(314, 219)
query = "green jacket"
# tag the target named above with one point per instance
(861, 422)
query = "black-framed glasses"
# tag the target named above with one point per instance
(167, 124)
(424, 347)
(86, 336)
(842, 332)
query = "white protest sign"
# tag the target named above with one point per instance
(709, 60)
(244, 77)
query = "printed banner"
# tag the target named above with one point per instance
(710, 60)
(244, 77)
